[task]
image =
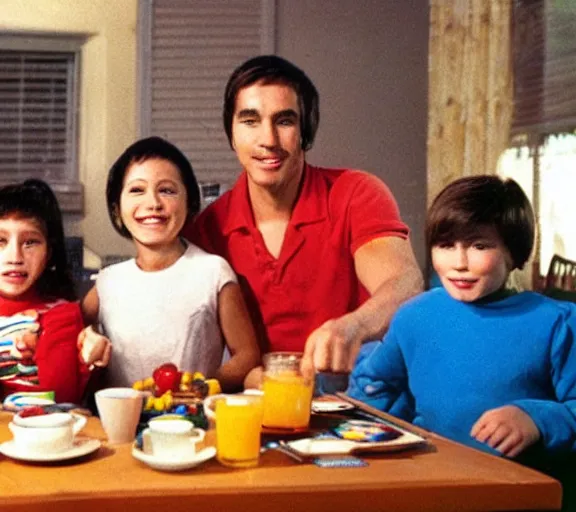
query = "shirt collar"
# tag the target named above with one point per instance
(239, 212)
(311, 205)
(29, 300)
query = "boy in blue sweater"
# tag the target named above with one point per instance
(480, 364)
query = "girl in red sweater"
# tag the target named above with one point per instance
(37, 298)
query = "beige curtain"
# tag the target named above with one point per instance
(470, 88)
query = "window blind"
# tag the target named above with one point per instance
(544, 66)
(194, 45)
(39, 84)
(36, 113)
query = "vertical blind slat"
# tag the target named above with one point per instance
(544, 66)
(195, 46)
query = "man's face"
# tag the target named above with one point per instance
(266, 136)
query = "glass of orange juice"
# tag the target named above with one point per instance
(238, 425)
(287, 393)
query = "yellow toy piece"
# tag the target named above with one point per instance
(159, 403)
(149, 403)
(354, 436)
(146, 384)
(213, 386)
(190, 382)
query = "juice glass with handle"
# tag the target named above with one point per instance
(287, 393)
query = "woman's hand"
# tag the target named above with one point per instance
(95, 349)
(507, 429)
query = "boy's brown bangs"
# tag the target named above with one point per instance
(455, 230)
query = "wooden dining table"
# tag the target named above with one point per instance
(440, 476)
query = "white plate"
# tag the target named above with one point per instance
(314, 447)
(320, 406)
(171, 465)
(82, 446)
(16, 402)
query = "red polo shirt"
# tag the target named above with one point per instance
(313, 279)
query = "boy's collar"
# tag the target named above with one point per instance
(502, 293)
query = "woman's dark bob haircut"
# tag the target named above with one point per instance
(469, 204)
(140, 151)
(271, 69)
(34, 199)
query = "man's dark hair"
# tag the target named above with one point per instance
(468, 204)
(271, 69)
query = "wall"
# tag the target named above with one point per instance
(369, 61)
(108, 94)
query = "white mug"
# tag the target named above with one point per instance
(119, 410)
(48, 433)
(172, 439)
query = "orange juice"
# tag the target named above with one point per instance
(238, 422)
(287, 400)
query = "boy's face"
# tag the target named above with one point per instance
(470, 270)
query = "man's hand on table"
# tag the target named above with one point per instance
(507, 429)
(333, 347)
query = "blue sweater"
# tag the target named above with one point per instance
(454, 360)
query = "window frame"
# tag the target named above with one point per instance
(69, 191)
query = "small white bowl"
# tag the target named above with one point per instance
(56, 419)
(54, 437)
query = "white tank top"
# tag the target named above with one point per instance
(166, 316)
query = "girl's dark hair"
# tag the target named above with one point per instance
(140, 151)
(271, 69)
(34, 199)
(468, 204)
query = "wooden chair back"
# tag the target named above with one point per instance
(561, 274)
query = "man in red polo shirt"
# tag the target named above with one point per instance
(322, 255)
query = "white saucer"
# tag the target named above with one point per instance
(171, 465)
(319, 406)
(82, 446)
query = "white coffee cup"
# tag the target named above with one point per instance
(172, 439)
(47, 433)
(119, 410)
